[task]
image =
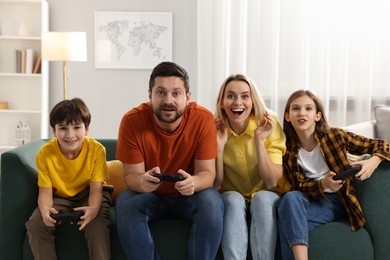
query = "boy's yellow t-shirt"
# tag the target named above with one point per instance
(70, 177)
(240, 159)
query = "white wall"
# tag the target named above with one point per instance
(109, 93)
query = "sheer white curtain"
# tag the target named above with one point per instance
(339, 49)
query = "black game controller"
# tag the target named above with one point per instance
(72, 217)
(108, 188)
(347, 173)
(167, 177)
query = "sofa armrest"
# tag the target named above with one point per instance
(19, 193)
(18, 196)
(366, 128)
(374, 197)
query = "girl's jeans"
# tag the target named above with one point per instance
(298, 214)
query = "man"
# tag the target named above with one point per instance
(168, 135)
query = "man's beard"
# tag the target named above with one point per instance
(159, 114)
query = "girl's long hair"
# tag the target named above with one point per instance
(321, 126)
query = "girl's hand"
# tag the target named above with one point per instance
(328, 183)
(222, 133)
(265, 127)
(368, 167)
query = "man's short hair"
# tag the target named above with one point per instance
(169, 69)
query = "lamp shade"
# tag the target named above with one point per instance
(64, 46)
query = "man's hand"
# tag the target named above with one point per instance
(148, 182)
(186, 187)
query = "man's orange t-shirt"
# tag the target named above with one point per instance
(141, 140)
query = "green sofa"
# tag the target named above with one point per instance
(19, 193)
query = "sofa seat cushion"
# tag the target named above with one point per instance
(335, 241)
(382, 116)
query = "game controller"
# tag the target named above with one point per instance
(72, 217)
(168, 177)
(347, 173)
(109, 189)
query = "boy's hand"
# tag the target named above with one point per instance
(47, 219)
(45, 203)
(89, 214)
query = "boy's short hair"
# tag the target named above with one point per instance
(73, 111)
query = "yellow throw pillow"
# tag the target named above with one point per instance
(283, 185)
(115, 174)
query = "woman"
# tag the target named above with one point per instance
(251, 144)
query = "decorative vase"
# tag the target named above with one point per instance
(23, 29)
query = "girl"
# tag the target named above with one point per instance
(251, 144)
(315, 153)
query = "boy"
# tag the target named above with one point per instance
(71, 173)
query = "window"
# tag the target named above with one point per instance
(339, 49)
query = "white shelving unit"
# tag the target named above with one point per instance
(21, 25)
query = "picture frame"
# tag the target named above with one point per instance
(132, 40)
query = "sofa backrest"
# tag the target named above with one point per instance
(382, 116)
(367, 128)
(110, 145)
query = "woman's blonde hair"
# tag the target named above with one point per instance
(258, 103)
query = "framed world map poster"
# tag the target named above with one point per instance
(132, 40)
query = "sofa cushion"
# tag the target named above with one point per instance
(382, 116)
(115, 173)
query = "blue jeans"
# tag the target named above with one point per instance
(298, 214)
(263, 231)
(135, 210)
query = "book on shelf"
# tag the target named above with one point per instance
(18, 61)
(27, 63)
(23, 62)
(37, 66)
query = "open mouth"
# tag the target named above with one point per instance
(168, 109)
(238, 111)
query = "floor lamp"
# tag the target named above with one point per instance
(64, 46)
